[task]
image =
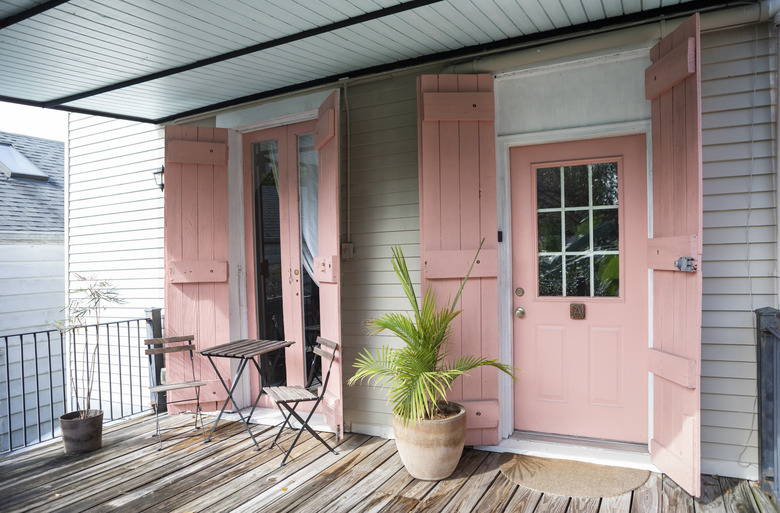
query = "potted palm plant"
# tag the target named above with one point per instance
(429, 430)
(82, 429)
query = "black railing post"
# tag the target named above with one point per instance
(154, 330)
(768, 359)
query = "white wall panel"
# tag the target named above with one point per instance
(115, 209)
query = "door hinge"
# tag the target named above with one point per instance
(686, 264)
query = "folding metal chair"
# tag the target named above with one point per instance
(167, 345)
(291, 397)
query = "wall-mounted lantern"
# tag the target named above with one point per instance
(159, 178)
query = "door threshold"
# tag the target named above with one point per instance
(589, 450)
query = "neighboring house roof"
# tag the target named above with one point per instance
(173, 59)
(29, 205)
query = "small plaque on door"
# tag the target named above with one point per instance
(577, 310)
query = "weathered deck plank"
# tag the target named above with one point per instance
(117, 478)
(155, 485)
(227, 474)
(442, 493)
(468, 496)
(230, 495)
(523, 500)
(320, 479)
(552, 504)
(182, 494)
(737, 495)
(617, 504)
(584, 505)
(57, 477)
(711, 500)
(647, 498)
(674, 498)
(348, 501)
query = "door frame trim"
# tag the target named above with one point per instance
(504, 203)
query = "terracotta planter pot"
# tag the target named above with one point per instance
(431, 449)
(82, 435)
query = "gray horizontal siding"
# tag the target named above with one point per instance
(740, 235)
(384, 212)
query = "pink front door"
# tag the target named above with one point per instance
(579, 235)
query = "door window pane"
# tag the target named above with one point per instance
(550, 276)
(605, 184)
(308, 193)
(578, 275)
(576, 186)
(578, 230)
(268, 265)
(548, 187)
(549, 225)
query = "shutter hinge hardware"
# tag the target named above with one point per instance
(686, 264)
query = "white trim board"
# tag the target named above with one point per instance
(590, 453)
(267, 115)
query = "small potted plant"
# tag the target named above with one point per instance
(82, 429)
(429, 430)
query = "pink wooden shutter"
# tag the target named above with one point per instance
(673, 84)
(458, 209)
(196, 254)
(327, 267)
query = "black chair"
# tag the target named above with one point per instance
(167, 345)
(291, 397)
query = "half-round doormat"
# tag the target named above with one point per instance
(570, 478)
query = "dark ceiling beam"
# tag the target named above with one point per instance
(370, 16)
(572, 32)
(29, 13)
(32, 103)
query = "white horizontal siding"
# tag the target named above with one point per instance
(740, 235)
(115, 209)
(384, 212)
(32, 296)
(32, 285)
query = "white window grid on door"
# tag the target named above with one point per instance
(590, 253)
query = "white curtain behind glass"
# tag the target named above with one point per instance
(308, 194)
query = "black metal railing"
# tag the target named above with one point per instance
(36, 385)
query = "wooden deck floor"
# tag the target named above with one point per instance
(226, 474)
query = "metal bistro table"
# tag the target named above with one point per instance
(245, 351)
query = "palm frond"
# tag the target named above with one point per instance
(418, 373)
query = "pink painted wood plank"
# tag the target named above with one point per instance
(674, 67)
(676, 121)
(195, 226)
(455, 263)
(481, 414)
(327, 269)
(488, 229)
(662, 252)
(428, 154)
(673, 368)
(325, 129)
(470, 105)
(196, 152)
(198, 271)
(457, 209)
(468, 163)
(329, 243)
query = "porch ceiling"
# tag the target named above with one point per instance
(157, 61)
